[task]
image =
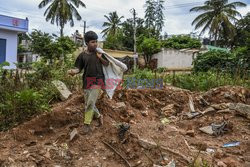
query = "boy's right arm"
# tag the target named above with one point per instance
(78, 66)
(73, 72)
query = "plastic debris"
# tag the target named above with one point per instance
(231, 144)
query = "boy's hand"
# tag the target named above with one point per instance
(73, 72)
(99, 55)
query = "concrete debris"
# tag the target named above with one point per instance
(62, 88)
(208, 110)
(207, 130)
(147, 144)
(73, 134)
(192, 115)
(191, 104)
(221, 106)
(243, 110)
(120, 105)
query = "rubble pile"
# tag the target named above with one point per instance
(142, 128)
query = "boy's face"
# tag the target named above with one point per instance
(92, 45)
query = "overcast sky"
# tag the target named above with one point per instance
(177, 16)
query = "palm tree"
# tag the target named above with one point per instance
(217, 17)
(113, 25)
(61, 11)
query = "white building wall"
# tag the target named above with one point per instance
(171, 58)
(11, 46)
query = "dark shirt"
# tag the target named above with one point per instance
(92, 66)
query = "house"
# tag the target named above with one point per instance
(9, 29)
(176, 59)
(77, 38)
(26, 56)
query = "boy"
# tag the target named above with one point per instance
(93, 78)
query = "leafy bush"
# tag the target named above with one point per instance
(204, 81)
(181, 42)
(143, 74)
(242, 58)
(49, 48)
(18, 106)
(214, 60)
(145, 78)
(19, 101)
(149, 47)
(237, 63)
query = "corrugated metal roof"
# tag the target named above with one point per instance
(210, 47)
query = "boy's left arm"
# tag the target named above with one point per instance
(103, 59)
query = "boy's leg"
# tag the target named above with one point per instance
(98, 116)
(88, 113)
(91, 96)
(96, 112)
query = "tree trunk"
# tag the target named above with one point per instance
(61, 30)
(215, 38)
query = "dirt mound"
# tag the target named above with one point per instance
(144, 126)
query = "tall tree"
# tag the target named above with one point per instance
(242, 37)
(127, 29)
(217, 17)
(159, 15)
(150, 13)
(113, 24)
(62, 11)
(154, 14)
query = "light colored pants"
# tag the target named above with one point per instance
(91, 96)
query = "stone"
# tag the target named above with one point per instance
(73, 134)
(246, 164)
(47, 155)
(170, 164)
(230, 162)
(120, 105)
(132, 122)
(131, 113)
(219, 154)
(138, 105)
(247, 158)
(231, 106)
(229, 96)
(191, 104)
(208, 110)
(190, 133)
(191, 115)
(207, 130)
(203, 101)
(224, 111)
(144, 113)
(221, 164)
(168, 110)
(147, 144)
(62, 88)
(210, 150)
(243, 110)
(221, 106)
(168, 107)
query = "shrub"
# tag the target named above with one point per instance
(181, 42)
(204, 81)
(211, 60)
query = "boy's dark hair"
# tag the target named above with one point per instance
(90, 35)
